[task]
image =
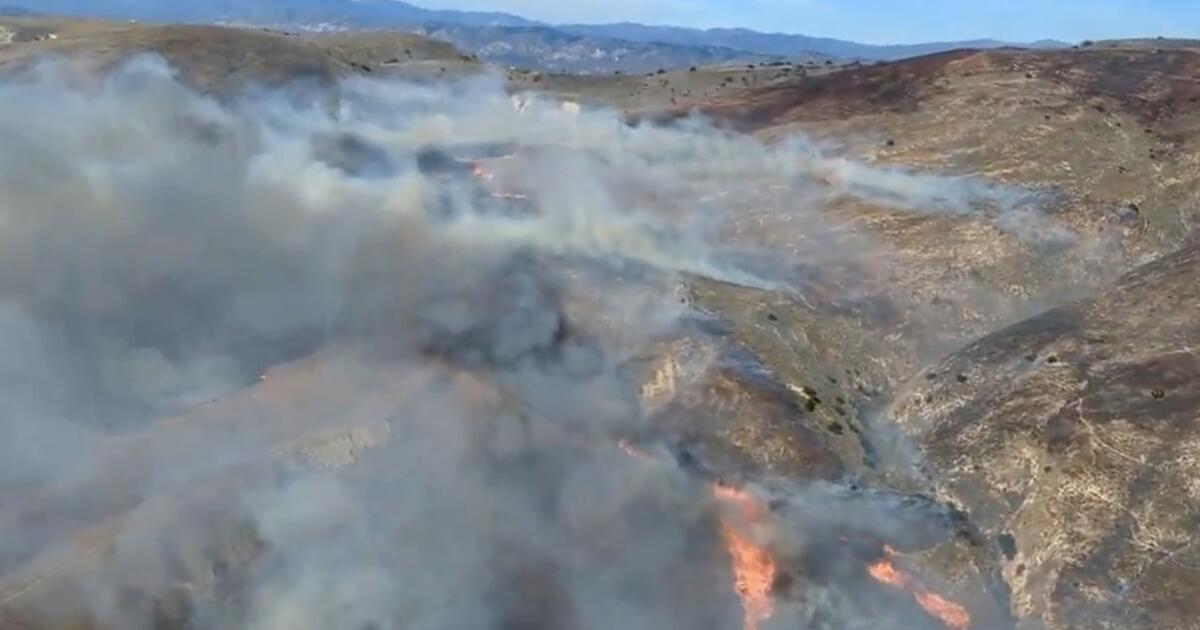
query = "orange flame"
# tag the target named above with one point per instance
(950, 613)
(754, 568)
(752, 565)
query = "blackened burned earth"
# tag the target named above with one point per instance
(384, 354)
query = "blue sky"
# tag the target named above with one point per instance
(879, 21)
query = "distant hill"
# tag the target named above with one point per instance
(351, 13)
(509, 39)
(780, 44)
(1156, 42)
(552, 49)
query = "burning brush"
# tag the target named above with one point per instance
(752, 564)
(949, 613)
(745, 521)
(742, 519)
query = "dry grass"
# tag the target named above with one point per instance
(220, 59)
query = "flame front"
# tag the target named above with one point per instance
(951, 614)
(752, 565)
(754, 569)
(886, 572)
(948, 612)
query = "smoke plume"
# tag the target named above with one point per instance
(275, 364)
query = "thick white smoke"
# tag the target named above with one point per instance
(461, 282)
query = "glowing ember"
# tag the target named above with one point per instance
(482, 173)
(753, 567)
(950, 614)
(887, 573)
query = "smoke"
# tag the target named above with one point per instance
(434, 295)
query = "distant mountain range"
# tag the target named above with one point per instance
(779, 44)
(513, 40)
(558, 50)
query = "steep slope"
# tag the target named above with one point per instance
(1072, 439)
(1061, 450)
(1068, 438)
(1111, 135)
(1093, 151)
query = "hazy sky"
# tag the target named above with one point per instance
(879, 21)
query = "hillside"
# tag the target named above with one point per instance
(512, 40)
(225, 59)
(1066, 416)
(780, 44)
(554, 50)
(1082, 516)
(1049, 433)
(902, 345)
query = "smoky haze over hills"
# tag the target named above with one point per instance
(473, 377)
(511, 39)
(781, 44)
(312, 331)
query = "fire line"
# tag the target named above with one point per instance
(752, 565)
(754, 569)
(949, 613)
